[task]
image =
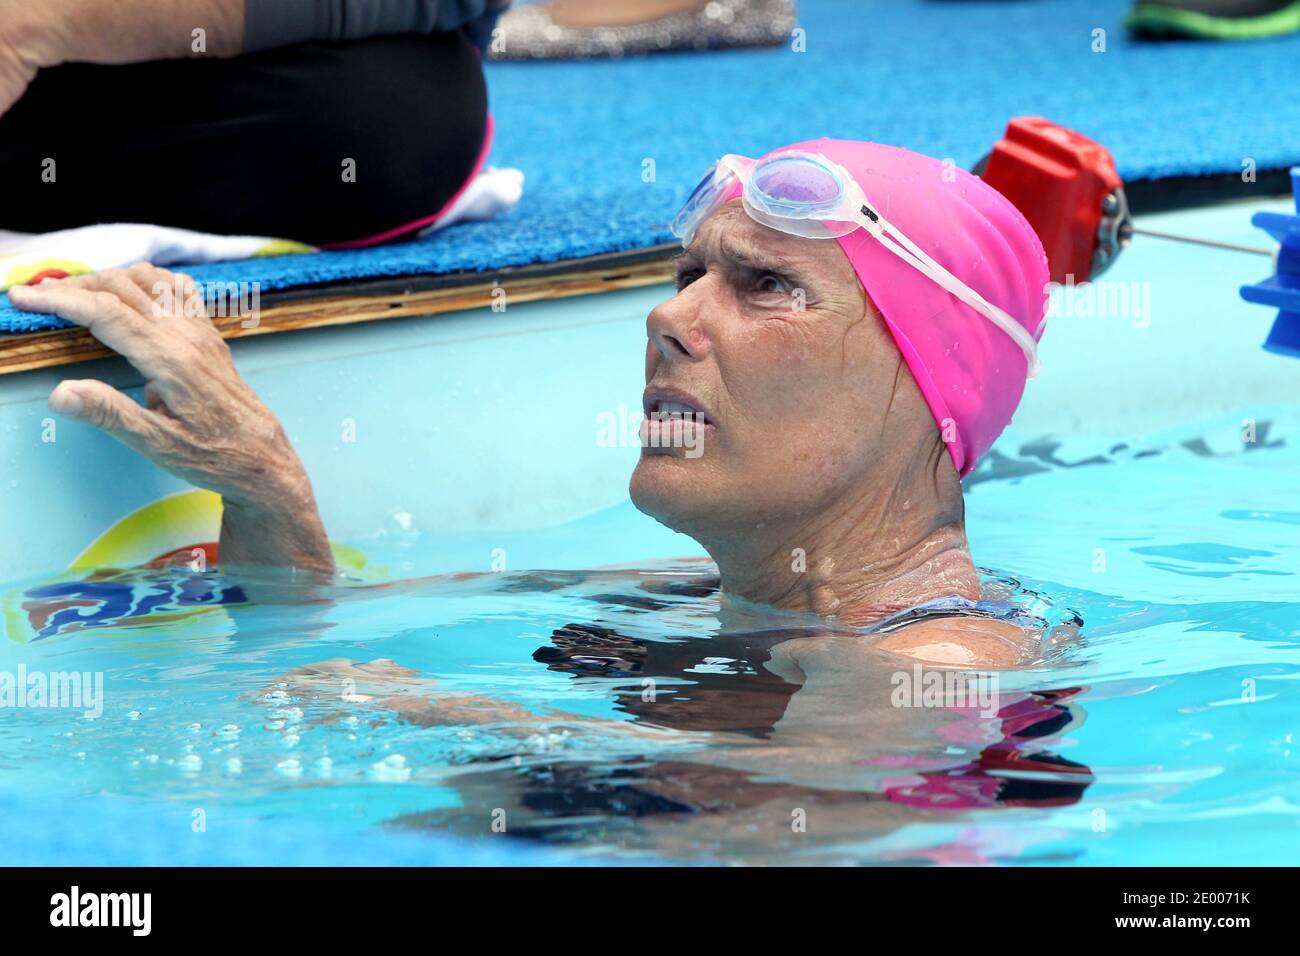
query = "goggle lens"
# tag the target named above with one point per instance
(702, 201)
(797, 182)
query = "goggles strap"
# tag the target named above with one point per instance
(909, 252)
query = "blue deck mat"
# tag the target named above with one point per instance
(938, 76)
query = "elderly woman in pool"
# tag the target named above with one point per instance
(833, 348)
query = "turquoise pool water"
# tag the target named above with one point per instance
(626, 715)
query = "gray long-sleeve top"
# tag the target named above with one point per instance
(275, 23)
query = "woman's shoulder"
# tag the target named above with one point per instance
(977, 642)
(968, 642)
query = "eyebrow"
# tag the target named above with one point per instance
(742, 253)
(748, 254)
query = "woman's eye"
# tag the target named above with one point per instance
(686, 278)
(772, 284)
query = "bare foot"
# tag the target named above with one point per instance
(584, 13)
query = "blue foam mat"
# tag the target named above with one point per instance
(938, 76)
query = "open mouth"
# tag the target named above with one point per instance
(665, 406)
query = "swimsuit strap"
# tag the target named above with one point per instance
(954, 607)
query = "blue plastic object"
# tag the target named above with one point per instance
(1282, 289)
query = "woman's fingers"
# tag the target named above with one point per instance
(109, 319)
(173, 293)
(150, 290)
(103, 406)
(132, 293)
(354, 682)
(155, 319)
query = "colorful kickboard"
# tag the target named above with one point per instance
(109, 584)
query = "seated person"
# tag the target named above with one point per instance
(316, 121)
(853, 327)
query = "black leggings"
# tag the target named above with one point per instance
(254, 145)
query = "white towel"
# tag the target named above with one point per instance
(27, 256)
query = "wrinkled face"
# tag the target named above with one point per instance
(802, 392)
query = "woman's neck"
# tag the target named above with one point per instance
(857, 562)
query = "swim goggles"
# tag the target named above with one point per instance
(805, 194)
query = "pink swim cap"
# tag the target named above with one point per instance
(969, 371)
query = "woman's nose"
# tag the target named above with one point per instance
(674, 328)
